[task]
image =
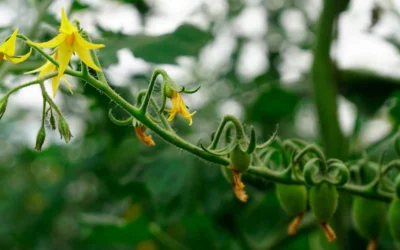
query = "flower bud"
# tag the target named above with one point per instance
(63, 128)
(40, 138)
(368, 216)
(52, 121)
(240, 160)
(3, 106)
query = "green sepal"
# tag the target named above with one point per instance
(253, 141)
(184, 90)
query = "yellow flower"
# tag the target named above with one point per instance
(69, 41)
(48, 68)
(146, 139)
(7, 50)
(178, 106)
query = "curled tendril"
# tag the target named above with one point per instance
(126, 122)
(270, 140)
(342, 176)
(310, 149)
(311, 171)
(336, 173)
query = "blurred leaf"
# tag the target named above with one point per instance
(186, 40)
(199, 232)
(394, 107)
(171, 182)
(367, 89)
(262, 217)
(272, 105)
(141, 5)
(106, 230)
(77, 6)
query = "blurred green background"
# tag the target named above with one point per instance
(106, 190)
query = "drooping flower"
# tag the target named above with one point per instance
(178, 106)
(7, 50)
(48, 68)
(146, 139)
(238, 186)
(69, 41)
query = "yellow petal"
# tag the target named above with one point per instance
(85, 56)
(69, 86)
(66, 26)
(8, 46)
(64, 55)
(85, 44)
(19, 58)
(55, 83)
(56, 41)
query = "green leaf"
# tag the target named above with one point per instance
(186, 40)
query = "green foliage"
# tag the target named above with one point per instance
(272, 105)
(186, 40)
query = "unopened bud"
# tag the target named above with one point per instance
(63, 128)
(40, 138)
(3, 106)
(52, 121)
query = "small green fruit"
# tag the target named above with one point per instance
(369, 217)
(394, 219)
(323, 201)
(240, 160)
(293, 198)
(168, 91)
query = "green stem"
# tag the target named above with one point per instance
(49, 100)
(324, 85)
(146, 101)
(44, 110)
